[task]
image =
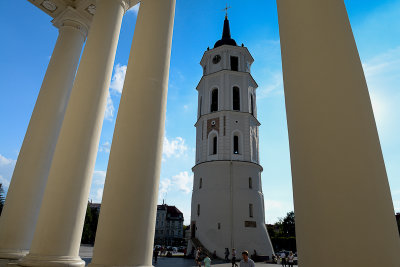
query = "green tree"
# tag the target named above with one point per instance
(283, 233)
(90, 225)
(288, 225)
(271, 230)
(2, 198)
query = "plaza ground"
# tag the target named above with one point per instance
(86, 253)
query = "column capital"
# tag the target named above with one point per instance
(71, 18)
(126, 4)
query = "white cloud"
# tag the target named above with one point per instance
(385, 63)
(395, 192)
(4, 182)
(105, 147)
(6, 170)
(5, 161)
(275, 209)
(382, 73)
(275, 86)
(97, 196)
(99, 177)
(117, 80)
(184, 181)
(174, 147)
(134, 9)
(267, 68)
(109, 113)
(164, 188)
(396, 205)
(96, 191)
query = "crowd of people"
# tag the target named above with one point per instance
(245, 262)
(287, 260)
(203, 258)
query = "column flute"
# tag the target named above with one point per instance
(18, 220)
(59, 228)
(341, 192)
(134, 167)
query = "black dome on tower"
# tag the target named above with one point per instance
(226, 36)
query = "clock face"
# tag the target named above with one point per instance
(216, 59)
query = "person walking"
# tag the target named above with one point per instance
(197, 257)
(226, 254)
(291, 259)
(283, 259)
(246, 262)
(234, 258)
(207, 261)
(155, 254)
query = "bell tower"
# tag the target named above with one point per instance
(227, 199)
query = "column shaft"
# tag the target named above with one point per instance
(25, 193)
(59, 228)
(341, 192)
(135, 159)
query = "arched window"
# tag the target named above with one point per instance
(201, 183)
(212, 141)
(236, 98)
(251, 104)
(198, 209)
(251, 210)
(235, 144)
(214, 146)
(250, 183)
(214, 100)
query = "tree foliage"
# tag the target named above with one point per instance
(283, 233)
(90, 225)
(288, 225)
(2, 198)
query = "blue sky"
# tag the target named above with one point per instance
(28, 39)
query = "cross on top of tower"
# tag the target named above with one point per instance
(226, 10)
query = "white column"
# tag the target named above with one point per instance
(135, 159)
(18, 220)
(342, 197)
(59, 228)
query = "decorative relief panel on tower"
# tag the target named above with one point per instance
(212, 124)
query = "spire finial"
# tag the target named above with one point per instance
(226, 10)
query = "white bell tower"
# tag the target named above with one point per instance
(227, 199)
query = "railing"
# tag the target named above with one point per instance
(198, 244)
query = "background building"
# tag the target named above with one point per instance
(169, 226)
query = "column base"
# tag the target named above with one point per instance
(51, 261)
(6, 254)
(8, 262)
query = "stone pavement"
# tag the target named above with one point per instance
(180, 262)
(86, 253)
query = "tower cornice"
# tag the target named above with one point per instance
(224, 112)
(226, 71)
(228, 161)
(223, 48)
